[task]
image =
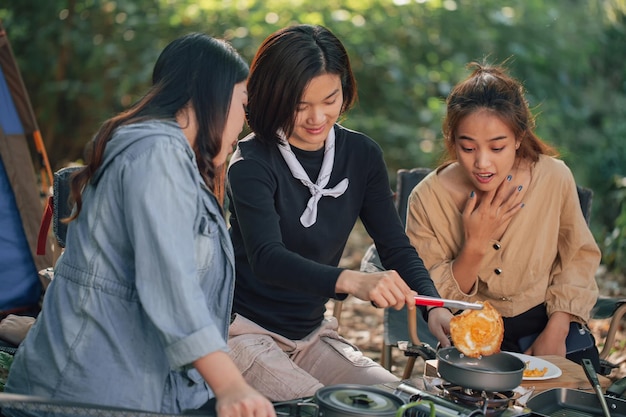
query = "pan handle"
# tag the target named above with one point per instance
(617, 388)
(595, 383)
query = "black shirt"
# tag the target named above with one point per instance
(286, 272)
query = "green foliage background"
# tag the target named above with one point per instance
(84, 60)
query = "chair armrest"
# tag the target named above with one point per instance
(412, 318)
(618, 314)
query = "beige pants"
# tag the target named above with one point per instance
(284, 369)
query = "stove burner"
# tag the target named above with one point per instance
(491, 403)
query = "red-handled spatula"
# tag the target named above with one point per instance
(423, 300)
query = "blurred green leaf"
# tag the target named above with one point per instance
(82, 61)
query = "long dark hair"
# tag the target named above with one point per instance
(194, 69)
(283, 66)
(490, 87)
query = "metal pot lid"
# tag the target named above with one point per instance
(359, 399)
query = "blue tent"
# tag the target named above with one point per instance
(21, 205)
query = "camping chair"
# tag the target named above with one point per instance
(400, 326)
(61, 202)
(58, 207)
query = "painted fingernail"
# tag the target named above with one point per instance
(472, 194)
(509, 178)
(519, 188)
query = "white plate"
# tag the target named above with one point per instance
(535, 362)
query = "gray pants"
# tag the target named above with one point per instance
(284, 369)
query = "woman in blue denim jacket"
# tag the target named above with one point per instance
(138, 312)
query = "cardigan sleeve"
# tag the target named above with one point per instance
(572, 286)
(425, 212)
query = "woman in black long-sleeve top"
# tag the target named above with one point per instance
(298, 184)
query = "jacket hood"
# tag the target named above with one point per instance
(127, 136)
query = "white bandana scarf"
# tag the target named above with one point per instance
(317, 190)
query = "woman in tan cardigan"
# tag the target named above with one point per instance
(500, 220)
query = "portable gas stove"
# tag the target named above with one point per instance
(451, 400)
(448, 401)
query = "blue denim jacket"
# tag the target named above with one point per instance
(143, 288)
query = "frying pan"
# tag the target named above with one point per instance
(493, 373)
(575, 403)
